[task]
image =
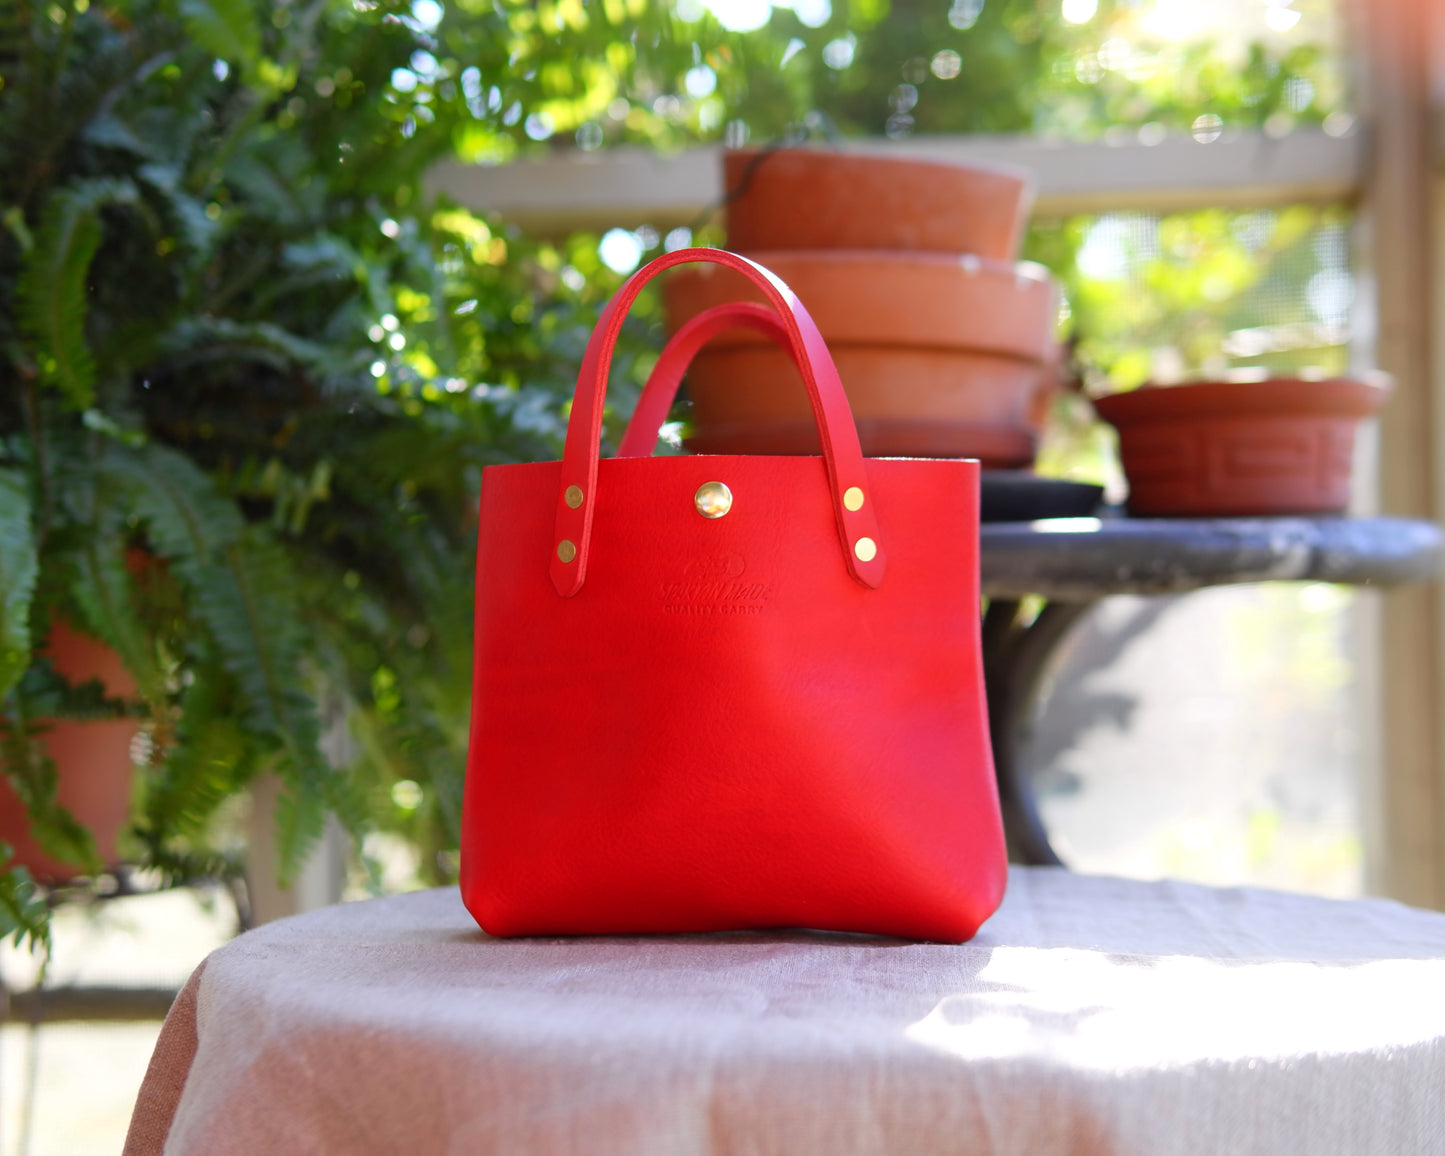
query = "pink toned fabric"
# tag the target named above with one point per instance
(1089, 1016)
(166, 1076)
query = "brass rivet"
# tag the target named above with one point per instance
(713, 499)
(866, 549)
(567, 551)
(853, 498)
(572, 495)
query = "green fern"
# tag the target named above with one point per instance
(207, 763)
(185, 213)
(300, 822)
(18, 569)
(246, 599)
(243, 588)
(104, 593)
(52, 286)
(205, 387)
(198, 341)
(184, 868)
(48, 695)
(24, 916)
(189, 522)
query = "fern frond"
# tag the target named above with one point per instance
(185, 212)
(247, 603)
(244, 593)
(321, 261)
(204, 767)
(188, 520)
(265, 181)
(300, 822)
(102, 589)
(186, 868)
(246, 600)
(108, 131)
(18, 569)
(200, 340)
(24, 917)
(51, 289)
(49, 695)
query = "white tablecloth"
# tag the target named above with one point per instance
(1089, 1016)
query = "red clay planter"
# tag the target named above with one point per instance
(92, 758)
(940, 355)
(1281, 446)
(825, 199)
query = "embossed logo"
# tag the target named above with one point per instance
(713, 586)
(715, 567)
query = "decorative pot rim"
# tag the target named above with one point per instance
(873, 153)
(972, 264)
(1338, 396)
(895, 299)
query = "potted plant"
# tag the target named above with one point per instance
(246, 389)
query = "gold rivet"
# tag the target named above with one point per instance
(853, 498)
(713, 499)
(866, 549)
(567, 551)
(572, 495)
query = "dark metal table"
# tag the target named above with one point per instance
(1072, 563)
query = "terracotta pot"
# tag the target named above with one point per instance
(92, 759)
(825, 199)
(1215, 448)
(940, 356)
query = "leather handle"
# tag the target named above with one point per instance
(661, 388)
(842, 455)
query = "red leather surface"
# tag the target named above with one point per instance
(721, 726)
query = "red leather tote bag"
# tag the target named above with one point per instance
(723, 692)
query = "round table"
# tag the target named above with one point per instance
(1089, 1016)
(1041, 577)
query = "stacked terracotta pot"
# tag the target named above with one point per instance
(944, 342)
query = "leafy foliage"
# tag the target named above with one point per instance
(24, 918)
(18, 568)
(1201, 293)
(52, 286)
(248, 380)
(503, 77)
